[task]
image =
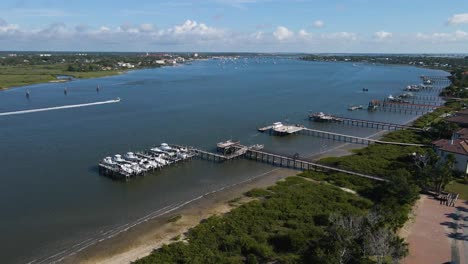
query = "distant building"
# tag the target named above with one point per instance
(161, 62)
(12, 55)
(45, 55)
(125, 65)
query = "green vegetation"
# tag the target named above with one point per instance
(308, 219)
(439, 62)
(295, 221)
(458, 186)
(459, 85)
(31, 68)
(18, 75)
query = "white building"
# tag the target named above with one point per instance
(458, 147)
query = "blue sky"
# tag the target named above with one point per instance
(236, 25)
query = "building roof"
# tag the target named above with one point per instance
(462, 112)
(459, 119)
(462, 133)
(459, 146)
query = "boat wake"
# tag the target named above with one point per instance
(58, 107)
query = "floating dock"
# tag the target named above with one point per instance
(349, 138)
(280, 129)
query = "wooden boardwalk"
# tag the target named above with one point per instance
(353, 139)
(275, 160)
(283, 161)
(375, 124)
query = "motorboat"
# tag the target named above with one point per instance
(355, 107)
(130, 156)
(108, 161)
(118, 158)
(126, 168)
(165, 147)
(182, 155)
(321, 117)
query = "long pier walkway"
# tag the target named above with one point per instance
(375, 124)
(274, 159)
(283, 161)
(353, 139)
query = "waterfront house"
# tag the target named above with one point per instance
(457, 146)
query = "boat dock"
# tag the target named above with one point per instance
(288, 162)
(353, 139)
(281, 129)
(375, 124)
(236, 150)
(135, 164)
(408, 105)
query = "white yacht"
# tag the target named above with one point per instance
(118, 158)
(108, 161)
(126, 168)
(165, 147)
(130, 156)
(182, 155)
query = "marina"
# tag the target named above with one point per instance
(137, 164)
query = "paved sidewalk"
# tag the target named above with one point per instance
(439, 233)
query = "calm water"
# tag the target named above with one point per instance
(51, 196)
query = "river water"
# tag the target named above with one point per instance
(52, 199)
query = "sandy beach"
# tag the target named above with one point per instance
(142, 239)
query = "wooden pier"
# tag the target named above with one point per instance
(427, 106)
(375, 124)
(287, 162)
(352, 139)
(238, 153)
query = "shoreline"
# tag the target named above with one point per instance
(63, 80)
(140, 240)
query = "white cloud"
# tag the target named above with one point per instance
(146, 28)
(283, 33)
(190, 27)
(438, 38)
(6, 27)
(382, 35)
(458, 19)
(341, 35)
(303, 33)
(104, 29)
(318, 24)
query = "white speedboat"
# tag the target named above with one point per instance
(182, 155)
(118, 158)
(126, 168)
(144, 165)
(136, 168)
(156, 150)
(130, 156)
(108, 161)
(165, 147)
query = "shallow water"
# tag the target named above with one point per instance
(52, 197)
